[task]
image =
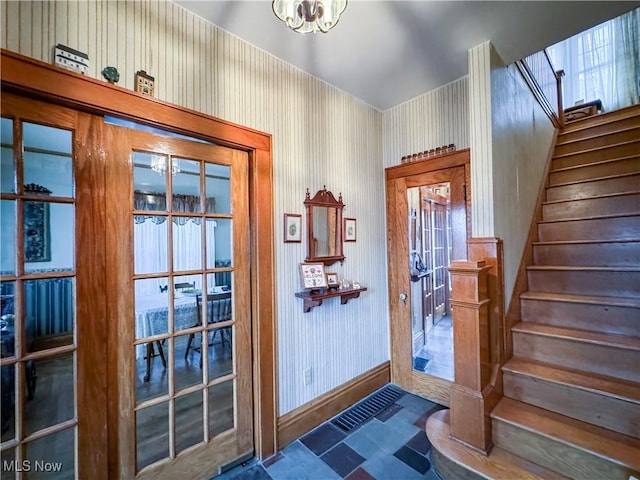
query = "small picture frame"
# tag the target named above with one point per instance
(332, 280)
(349, 229)
(292, 228)
(313, 276)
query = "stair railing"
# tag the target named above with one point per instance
(545, 84)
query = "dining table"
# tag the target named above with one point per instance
(152, 318)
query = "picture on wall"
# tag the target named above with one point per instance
(349, 229)
(292, 227)
(37, 236)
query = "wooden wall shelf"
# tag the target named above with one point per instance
(311, 300)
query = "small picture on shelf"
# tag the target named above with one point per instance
(332, 280)
(313, 276)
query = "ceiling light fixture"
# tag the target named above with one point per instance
(159, 164)
(305, 16)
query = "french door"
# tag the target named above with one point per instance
(183, 330)
(52, 284)
(125, 304)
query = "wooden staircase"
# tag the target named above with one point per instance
(571, 400)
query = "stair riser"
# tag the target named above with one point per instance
(583, 282)
(610, 127)
(578, 355)
(599, 141)
(590, 229)
(630, 183)
(587, 172)
(597, 155)
(557, 456)
(598, 318)
(588, 207)
(605, 411)
(588, 254)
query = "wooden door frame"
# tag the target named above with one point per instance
(398, 179)
(36, 79)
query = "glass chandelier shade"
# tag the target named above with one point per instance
(159, 164)
(306, 16)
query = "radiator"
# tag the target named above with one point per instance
(48, 306)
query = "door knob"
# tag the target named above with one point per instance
(403, 297)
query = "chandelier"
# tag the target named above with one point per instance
(305, 16)
(159, 164)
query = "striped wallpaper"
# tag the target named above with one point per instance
(436, 118)
(321, 136)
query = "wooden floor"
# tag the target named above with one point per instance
(53, 403)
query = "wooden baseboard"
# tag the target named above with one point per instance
(308, 416)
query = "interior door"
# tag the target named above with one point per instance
(52, 283)
(401, 180)
(183, 329)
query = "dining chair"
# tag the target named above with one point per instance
(218, 310)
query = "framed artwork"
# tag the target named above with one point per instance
(313, 276)
(332, 279)
(37, 235)
(349, 229)
(292, 227)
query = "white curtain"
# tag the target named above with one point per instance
(602, 63)
(151, 241)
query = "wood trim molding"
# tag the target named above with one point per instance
(450, 160)
(45, 81)
(38, 80)
(305, 418)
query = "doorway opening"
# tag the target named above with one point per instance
(430, 240)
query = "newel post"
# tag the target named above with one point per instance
(469, 401)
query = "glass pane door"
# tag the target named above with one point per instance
(190, 320)
(38, 300)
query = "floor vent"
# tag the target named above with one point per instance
(367, 408)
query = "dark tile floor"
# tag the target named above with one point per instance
(390, 446)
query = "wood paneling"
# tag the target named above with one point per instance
(303, 419)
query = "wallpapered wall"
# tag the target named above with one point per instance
(321, 136)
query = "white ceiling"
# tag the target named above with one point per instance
(387, 52)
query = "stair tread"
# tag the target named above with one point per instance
(588, 164)
(592, 217)
(589, 299)
(604, 118)
(577, 268)
(589, 241)
(617, 447)
(593, 197)
(498, 465)
(601, 384)
(595, 149)
(586, 336)
(597, 135)
(593, 179)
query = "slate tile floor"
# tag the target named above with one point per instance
(390, 446)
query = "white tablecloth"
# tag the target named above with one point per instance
(152, 314)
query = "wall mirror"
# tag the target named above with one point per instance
(324, 227)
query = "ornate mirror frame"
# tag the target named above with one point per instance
(333, 253)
